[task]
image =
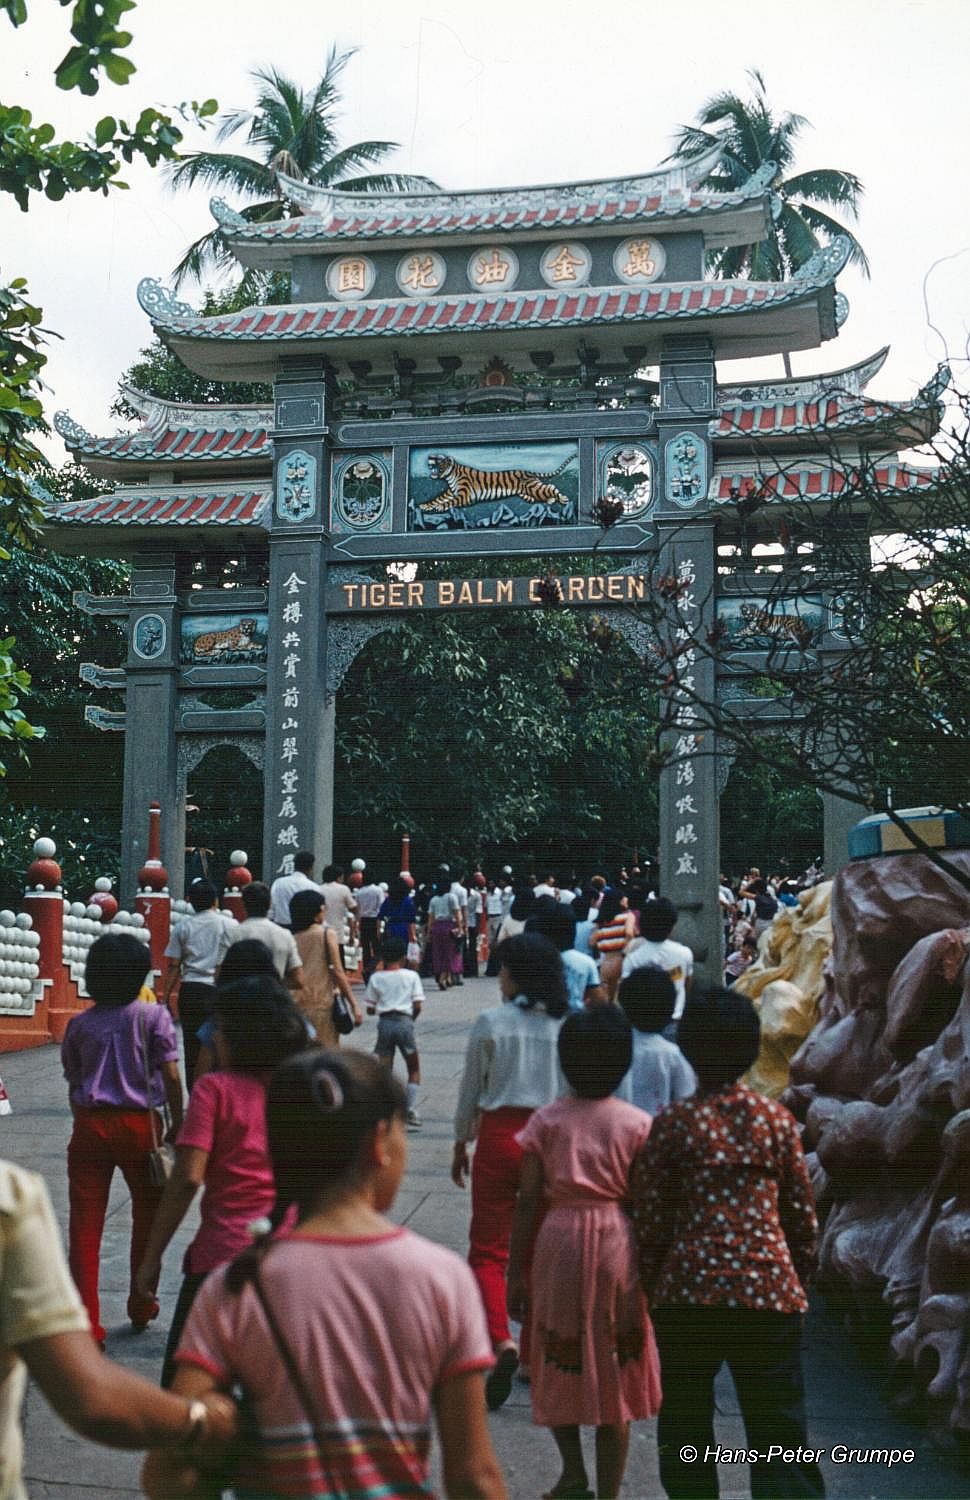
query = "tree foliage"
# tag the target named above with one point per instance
(291, 130)
(752, 134)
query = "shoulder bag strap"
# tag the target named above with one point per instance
(142, 1032)
(293, 1372)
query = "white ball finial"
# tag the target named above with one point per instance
(238, 857)
(358, 864)
(45, 848)
(102, 883)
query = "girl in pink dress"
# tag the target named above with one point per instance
(594, 1359)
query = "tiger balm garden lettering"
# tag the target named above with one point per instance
(362, 597)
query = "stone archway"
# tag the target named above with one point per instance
(235, 783)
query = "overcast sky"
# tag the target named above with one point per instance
(494, 92)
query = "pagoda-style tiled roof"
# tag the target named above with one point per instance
(813, 481)
(340, 328)
(171, 506)
(172, 432)
(669, 197)
(822, 407)
(853, 379)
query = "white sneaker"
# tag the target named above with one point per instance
(414, 1120)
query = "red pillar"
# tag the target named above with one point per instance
(154, 900)
(237, 877)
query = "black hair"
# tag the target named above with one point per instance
(595, 1050)
(246, 957)
(256, 898)
(303, 861)
(535, 967)
(115, 969)
(259, 1022)
(398, 890)
(304, 906)
(203, 895)
(610, 906)
(647, 997)
(322, 1108)
(393, 949)
(719, 1034)
(658, 918)
(555, 921)
(332, 872)
(523, 904)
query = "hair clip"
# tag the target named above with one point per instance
(328, 1096)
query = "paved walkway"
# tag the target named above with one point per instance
(844, 1399)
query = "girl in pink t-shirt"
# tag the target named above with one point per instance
(594, 1357)
(345, 1330)
(222, 1144)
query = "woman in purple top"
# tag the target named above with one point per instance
(104, 1055)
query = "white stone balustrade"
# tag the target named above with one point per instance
(20, 986)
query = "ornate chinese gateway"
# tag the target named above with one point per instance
(458, 375)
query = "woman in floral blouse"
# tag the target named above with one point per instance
(726, 1227)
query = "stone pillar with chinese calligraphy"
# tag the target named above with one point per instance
(689, 818)
(298, 812)
(151, 704)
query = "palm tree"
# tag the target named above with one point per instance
(294, 132)
(752, 135)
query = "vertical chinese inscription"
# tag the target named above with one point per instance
(686, 745)
(291, 618)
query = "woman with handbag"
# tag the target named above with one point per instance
(327, 997)
(222, 1144)
(121, 1063)
(345, 1331)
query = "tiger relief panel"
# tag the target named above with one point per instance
(493, 486)
(773, 624)
(223, 639)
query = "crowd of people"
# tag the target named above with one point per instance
(638, 1217)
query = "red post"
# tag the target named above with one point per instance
(154, 900)
(237, 877)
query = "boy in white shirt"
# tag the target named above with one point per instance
(395, 994)
(659, 1072)
(657, 920)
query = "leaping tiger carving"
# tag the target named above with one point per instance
(465, 486)
(758, 621)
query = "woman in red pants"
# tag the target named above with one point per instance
(511, 1069)
(107, 1052)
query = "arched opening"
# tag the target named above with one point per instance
(769, 818)
(514, 736)
(223, 812)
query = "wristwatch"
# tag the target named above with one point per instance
(197, 1428)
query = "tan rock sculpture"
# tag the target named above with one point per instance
(882, 1082)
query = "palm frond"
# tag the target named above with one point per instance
(387, 182)
(828, 185)
(795, 236)
(223, 169)
(208, 254)
(824, 224)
